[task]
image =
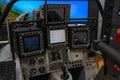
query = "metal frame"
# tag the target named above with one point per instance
(79, 29)
(21, 43)
(49, 45)
(61, 6)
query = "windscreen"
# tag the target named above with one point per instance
(79, 8)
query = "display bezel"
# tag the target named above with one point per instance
(59, 27)
(66, 8)
(80, 29)
(21, 36)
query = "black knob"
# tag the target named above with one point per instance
(33, 71)
(31, 62)
(42, 69)
(41, 61)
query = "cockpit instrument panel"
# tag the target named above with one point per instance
(79, 37)
(29, 43)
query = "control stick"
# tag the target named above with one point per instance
(65, 75)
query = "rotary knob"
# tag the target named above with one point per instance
(32, 62)
(41, 61)
(42, 69)
(33, 71)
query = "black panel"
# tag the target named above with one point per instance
(78, 73)
(7, 70)
(107, 18)
(111, 23)
(57, 13)
(79, 37)
(93, 12)
(30, 43)
(93, 9)
(0, 11)
(3, 33)
(43, 77)
(110, 32)
(27, 42)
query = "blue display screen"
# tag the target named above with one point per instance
(79, 8)
(31, 43)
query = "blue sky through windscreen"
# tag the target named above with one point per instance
(79, 9)
(26, 5)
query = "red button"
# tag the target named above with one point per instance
(118, 35)
(14, 26)
(115, 67)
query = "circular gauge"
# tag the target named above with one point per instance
(41, 61)
(42, 69)
(33, 71)
(32, 62)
